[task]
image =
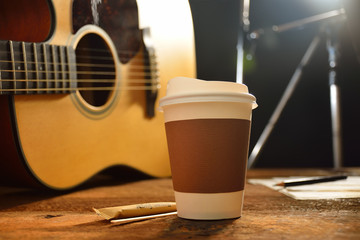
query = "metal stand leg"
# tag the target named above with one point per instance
(284, 99)
(334, 101)
(332, 34)
(336, 126)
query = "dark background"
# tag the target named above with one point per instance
(302, 137)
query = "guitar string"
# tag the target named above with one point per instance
(57, 89)
(87, 56)
(103, 50)
(84, 49)
(132, 69)
(84, 57)
(140, 80)
(130, 74)
(154, 85)
(102, 73)
(133, 66)
(142, 62)
(134, 63)
(133, 76)
(132, 82)
(129, 84)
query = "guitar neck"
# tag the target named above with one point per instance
(36, 68)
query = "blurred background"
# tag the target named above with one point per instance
(302, 137)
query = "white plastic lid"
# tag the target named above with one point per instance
(185, 90)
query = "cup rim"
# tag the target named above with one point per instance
(209, 97)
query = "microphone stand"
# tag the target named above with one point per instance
(332, 48)
(334, 91)
(242, 31)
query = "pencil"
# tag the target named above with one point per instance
(306, 181)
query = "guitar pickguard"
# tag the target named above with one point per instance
(118, 18)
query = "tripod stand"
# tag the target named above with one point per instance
(332, 48)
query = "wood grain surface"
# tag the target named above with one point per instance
(29, 214)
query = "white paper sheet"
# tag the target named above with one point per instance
(348, 188)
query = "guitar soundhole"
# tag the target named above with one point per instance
(95, 70)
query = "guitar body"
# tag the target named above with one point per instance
(61, 140)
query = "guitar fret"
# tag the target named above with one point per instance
(72, 85)
(5, 65)
(46, 67)
(19, 68)
(25, 66)
(13, 64)
(54, 67)
(36, 67)
(31, 68)
(66, 68)
(62, 66)
(42, 66)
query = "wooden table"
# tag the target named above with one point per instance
(31, 214)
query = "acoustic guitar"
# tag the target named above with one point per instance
(80, 82)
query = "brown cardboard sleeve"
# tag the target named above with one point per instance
(208, 155)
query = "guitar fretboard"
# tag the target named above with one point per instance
(36, 68)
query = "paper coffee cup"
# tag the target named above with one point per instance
(207, 127)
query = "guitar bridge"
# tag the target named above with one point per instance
(152, 83)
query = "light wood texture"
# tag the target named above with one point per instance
(267, 214)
